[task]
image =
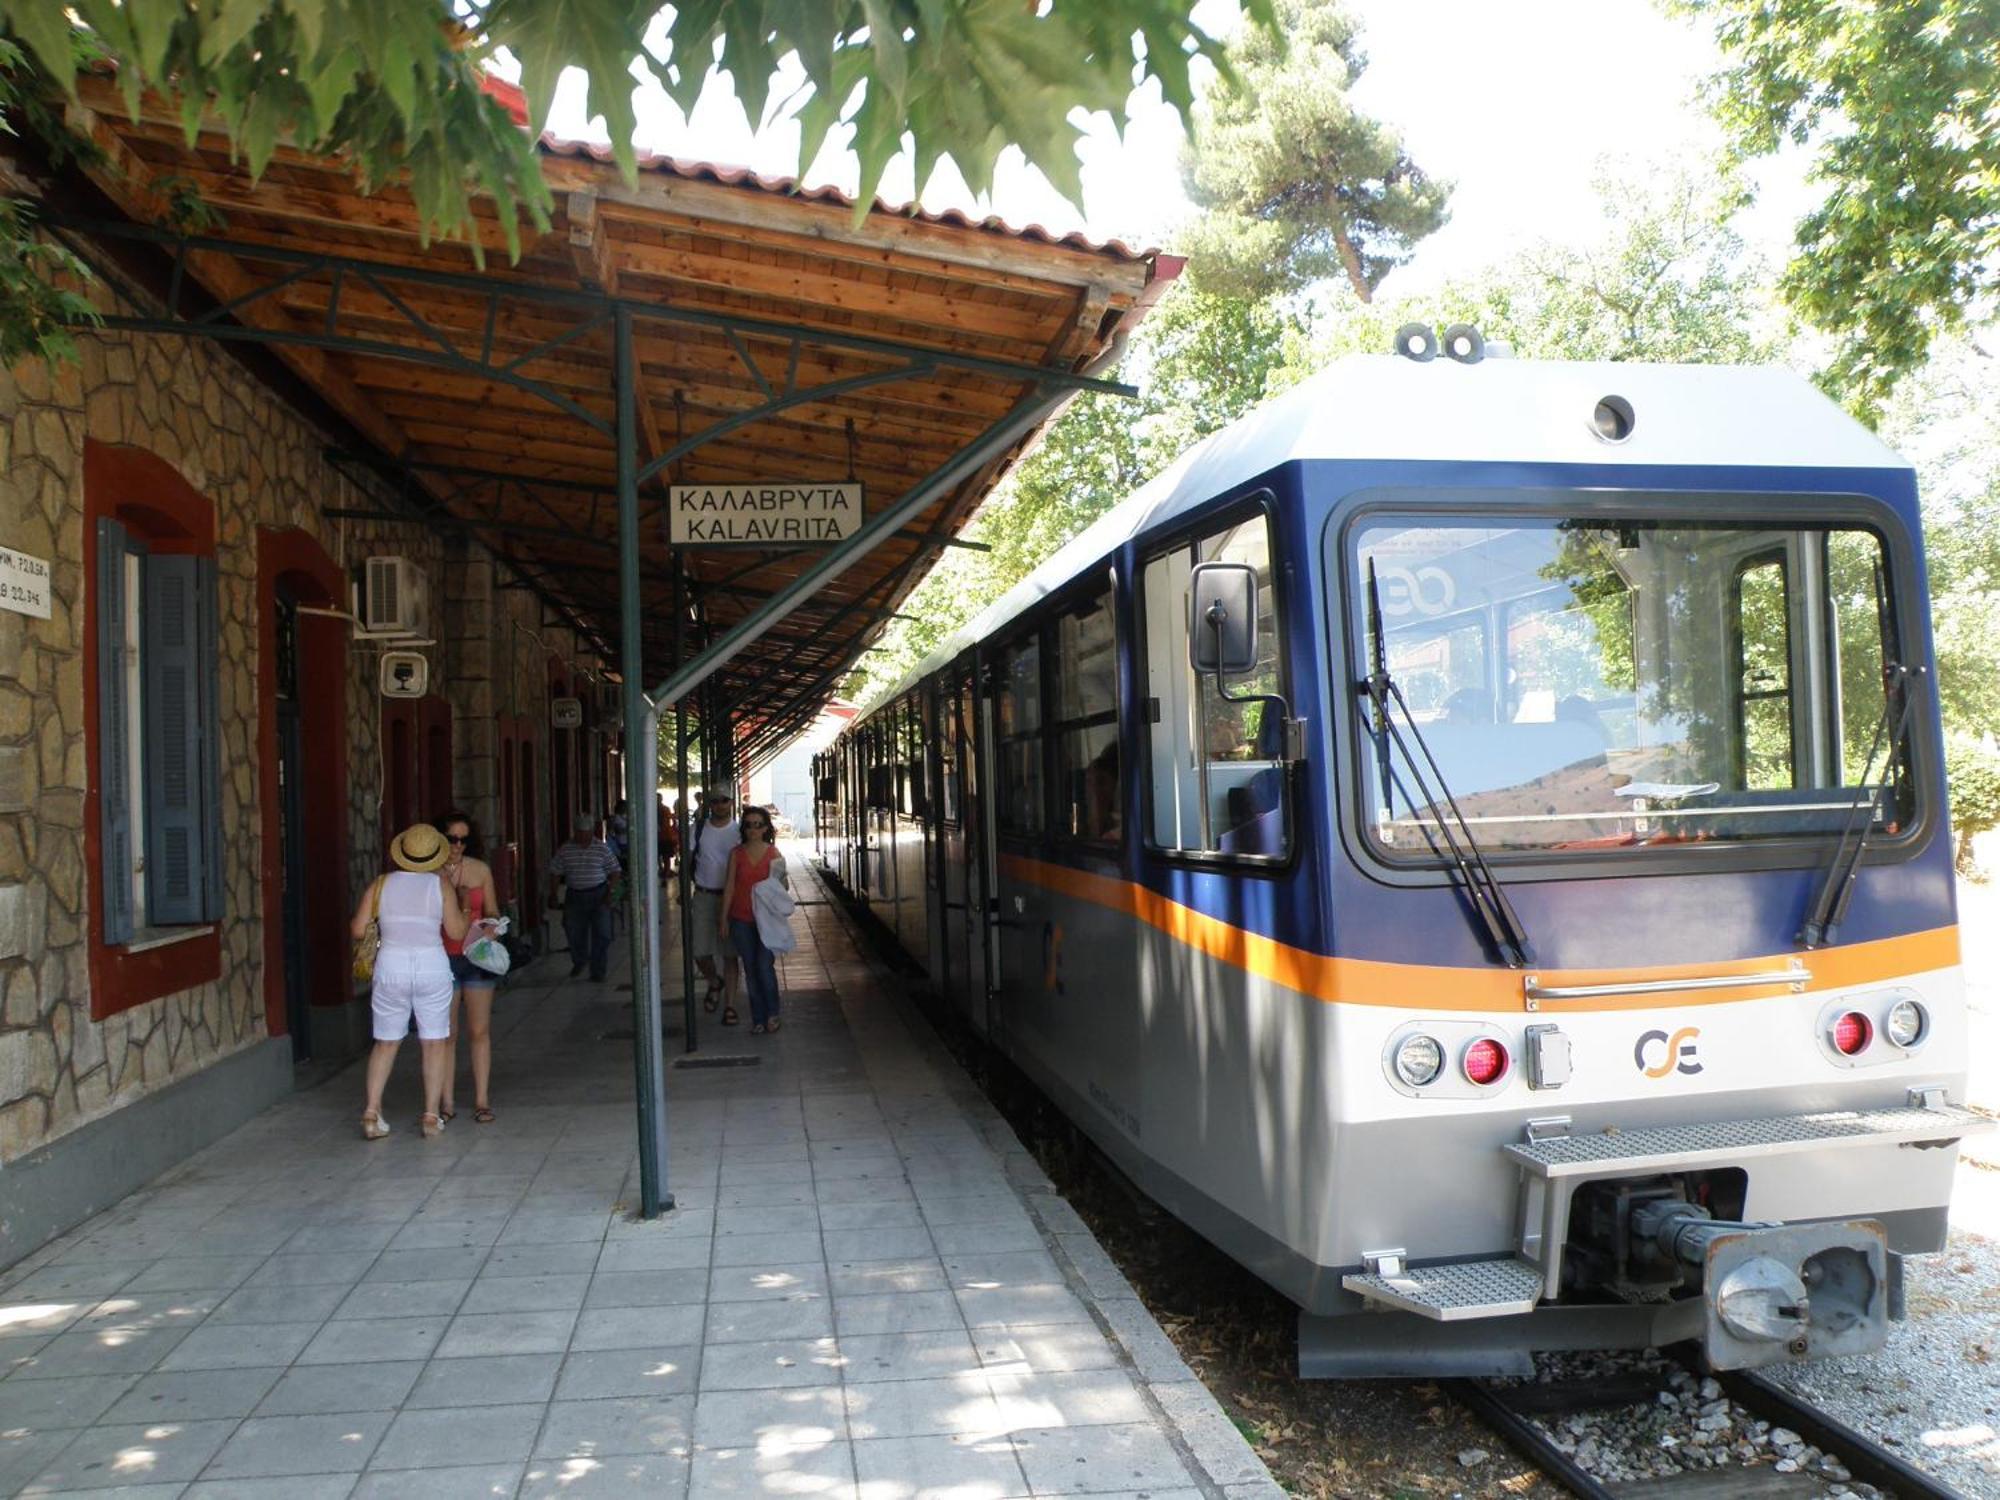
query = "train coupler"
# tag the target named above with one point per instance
(1774, 1292)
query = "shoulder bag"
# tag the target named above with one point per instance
(371, 937)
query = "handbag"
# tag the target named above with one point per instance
(371, 939)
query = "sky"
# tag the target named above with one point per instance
(1520, 105)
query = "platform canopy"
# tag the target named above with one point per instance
(772, 338)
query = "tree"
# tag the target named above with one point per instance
(1665, 280)
(396, 86)
(1200, 361)
(1899, 100)
(1298, 185)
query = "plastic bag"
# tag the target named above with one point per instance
(483, 948)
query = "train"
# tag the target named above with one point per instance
(1469, 839)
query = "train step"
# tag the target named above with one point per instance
(1724, 1142)
(1455, 1289)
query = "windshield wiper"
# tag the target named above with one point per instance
(1829, 907)
(1489, 903)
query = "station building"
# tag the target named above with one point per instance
(308, 437)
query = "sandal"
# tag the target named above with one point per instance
(713, 997)
(771, 1026)
(757, 1029)
(373, 1126)
(430, 1127)
(729, 1017)
(482, 1116)
(446, 1114)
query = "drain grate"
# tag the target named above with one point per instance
(718, 1060)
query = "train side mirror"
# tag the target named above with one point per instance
(1222, 610)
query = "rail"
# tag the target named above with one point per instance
(1514, 1422)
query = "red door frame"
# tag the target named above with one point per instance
(293, 559)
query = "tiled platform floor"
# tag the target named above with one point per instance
(867, 1290)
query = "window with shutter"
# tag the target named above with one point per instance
(114, 734)
(175, 882)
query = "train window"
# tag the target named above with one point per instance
(1218, 781)
(1763, 675)
(949, 711)
(1589, 685)
(1019, 732)
(1086, 727)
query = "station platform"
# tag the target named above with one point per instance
(867, 1290)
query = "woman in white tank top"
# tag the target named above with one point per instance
(416, 910)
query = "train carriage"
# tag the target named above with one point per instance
(1469, 839)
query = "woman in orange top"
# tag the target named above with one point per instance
(472, 998)
(755, 859)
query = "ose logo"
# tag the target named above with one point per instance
(1676, 1052)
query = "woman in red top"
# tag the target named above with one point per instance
(755, 859)
(472, 995)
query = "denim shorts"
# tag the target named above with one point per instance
(468, 975)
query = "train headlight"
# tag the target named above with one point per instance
(1905, 1024)
(1419, 1060)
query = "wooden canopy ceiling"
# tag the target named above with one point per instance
(489, 391)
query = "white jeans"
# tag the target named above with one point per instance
(412, 981)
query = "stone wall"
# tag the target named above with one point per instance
(190, 403)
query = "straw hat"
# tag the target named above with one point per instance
(419, 848)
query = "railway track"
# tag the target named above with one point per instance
(1517, 1413)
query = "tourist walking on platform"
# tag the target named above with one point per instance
(712, 842)
(586, 867)
(754, 861)
(472, 998)
(415, 909)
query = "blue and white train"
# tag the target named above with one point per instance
(1469, 839)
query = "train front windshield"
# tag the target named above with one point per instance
(1591, 686)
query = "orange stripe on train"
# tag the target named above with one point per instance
(1364, 981)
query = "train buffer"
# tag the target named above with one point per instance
(1761, 1290)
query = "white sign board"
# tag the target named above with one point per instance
(24, 583)
(761, 515)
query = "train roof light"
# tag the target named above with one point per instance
(1419, 1060)
(1485, 1061)
(1851, 1033)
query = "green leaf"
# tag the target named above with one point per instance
(45, 30)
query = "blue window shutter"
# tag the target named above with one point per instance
(208, 655)
(114, 736)
(175, 824)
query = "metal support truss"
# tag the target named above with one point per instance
(255, 314)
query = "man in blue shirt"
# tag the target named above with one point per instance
(586, 867)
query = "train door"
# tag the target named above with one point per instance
(963, 985)
(1023, 930)
(935, 750)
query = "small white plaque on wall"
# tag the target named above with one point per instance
(24, 583)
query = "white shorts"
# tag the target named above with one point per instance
(412, 983)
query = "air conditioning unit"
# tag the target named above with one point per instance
(395, 598)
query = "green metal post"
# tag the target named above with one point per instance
(684, 874)
(642, 734)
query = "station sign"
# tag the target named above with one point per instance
(24, 583)
(785, 514)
